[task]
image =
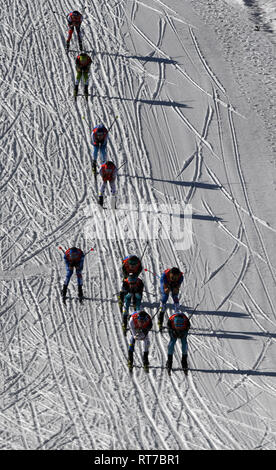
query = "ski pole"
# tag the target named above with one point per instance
(64, 14)
(154, 274)
(116, 117)
(144, 250)
(64, 251)
(194, 310)
(83, 117)
(90, 249)
(121, 165)
(155, 313)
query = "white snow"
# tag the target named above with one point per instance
(193, 84)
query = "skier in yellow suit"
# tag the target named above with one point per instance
(83, 64)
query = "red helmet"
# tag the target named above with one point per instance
(142, 319)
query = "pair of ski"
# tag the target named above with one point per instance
(68, 47)
(146, 369)
(80, 94)
(76, 94)
(130, 367)
(169, 370)
(80, 298)
(112, 205)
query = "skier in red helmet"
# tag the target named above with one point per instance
(140, 324)
(108, 173)
(74, 20)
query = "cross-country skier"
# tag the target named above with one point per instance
(108, 173)
(99, 141)
(74, 258)
(133, 288)
(170, 283)
(178, 327)
(130, 265)
(83, 64)
(140, 324)
(74, 20)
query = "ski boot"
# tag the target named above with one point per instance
(161, 319)
(76, 91)
(80, 293)
(67, 46)
(100, 200)
(130, 360)
(146, 361)
(94, 167)
(86, 92)
(184, 364)
(169, 363)
(63, 293)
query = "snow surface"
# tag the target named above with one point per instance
(193, 85)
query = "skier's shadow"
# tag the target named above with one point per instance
(159, 60)
(235, 372)
(193, 184)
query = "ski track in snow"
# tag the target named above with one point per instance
(65, 384)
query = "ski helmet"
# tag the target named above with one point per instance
(76, 13)
(175, 271)
(174, 274)
(74, 252)
(133, 260)
(101, 129)
(110, 165)
(83, 57)
(142, 317)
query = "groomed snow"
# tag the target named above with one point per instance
(193, 85)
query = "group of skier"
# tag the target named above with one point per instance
(99, 136)
(139, 321)
(83, 61)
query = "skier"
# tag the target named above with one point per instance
(140, 324)
(74, 258)
(99, 141)
(74, 20)
(130, 265)
(178, 327)
(108, 172)
(83, 64)
(133, 288)
(170, 282)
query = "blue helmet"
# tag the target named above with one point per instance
(74, 252)
(101, 129)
